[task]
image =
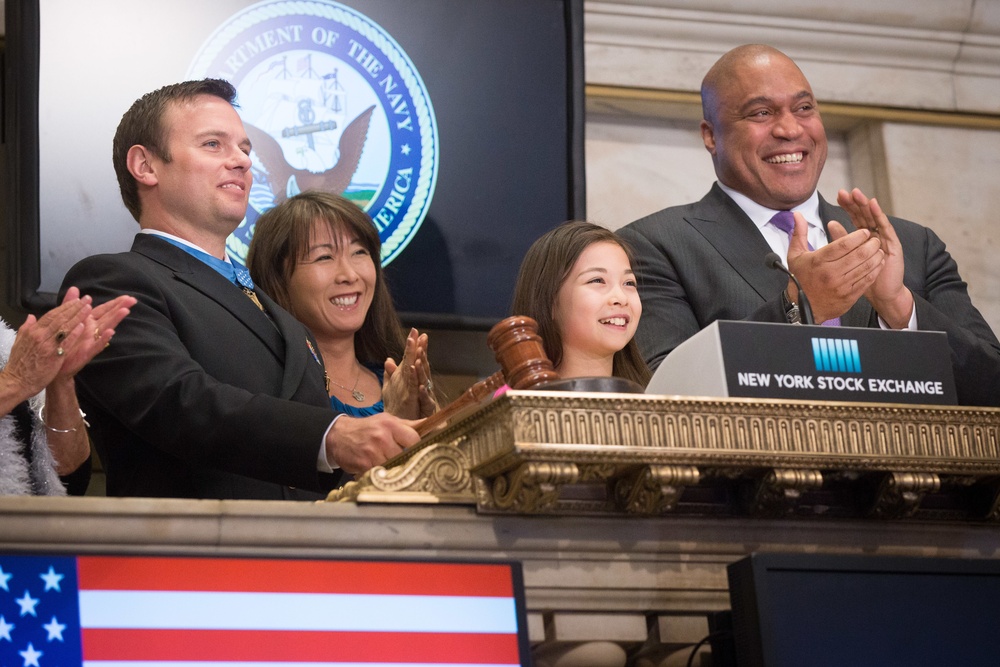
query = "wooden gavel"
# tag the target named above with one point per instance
(523, 364)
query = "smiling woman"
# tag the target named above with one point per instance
(317, 255)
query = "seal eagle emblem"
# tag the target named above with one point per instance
(330, 101)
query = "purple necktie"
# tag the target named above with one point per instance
(785, 221)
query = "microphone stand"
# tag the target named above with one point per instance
(773, 261)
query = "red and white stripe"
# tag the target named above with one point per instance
(158, 612)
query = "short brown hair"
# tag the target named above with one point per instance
(545, 268)
(281, 240)
(142, 125)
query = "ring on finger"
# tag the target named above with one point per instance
(60, 336)
(429, 385)
(97, 334)
(60, 351)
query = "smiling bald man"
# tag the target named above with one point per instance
(704, 261)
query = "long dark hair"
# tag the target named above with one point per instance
(281, 240)
(545, 268)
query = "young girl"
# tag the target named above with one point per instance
(577, 282)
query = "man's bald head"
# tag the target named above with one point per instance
(728, 67)
(762, 126)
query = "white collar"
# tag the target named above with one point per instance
(157, 232)
(761, 215)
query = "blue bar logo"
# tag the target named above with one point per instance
(838, 355)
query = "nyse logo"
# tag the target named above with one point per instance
(836, 354)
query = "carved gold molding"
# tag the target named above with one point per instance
(779, 490)
(900, 493)
(654, 489)
(434, 474)
(536, 451)
(532, 487)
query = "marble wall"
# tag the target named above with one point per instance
(637, 165)
(910, 92)
(949, 179)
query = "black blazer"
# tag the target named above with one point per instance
(200, 394)
(704, 261)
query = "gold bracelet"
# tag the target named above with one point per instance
(83, 420)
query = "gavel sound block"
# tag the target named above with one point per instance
(523, 365)
(438, 472)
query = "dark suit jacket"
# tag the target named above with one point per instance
(200, 395)
(705, 261)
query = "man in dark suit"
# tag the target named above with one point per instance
(212, 391)
(705, 261)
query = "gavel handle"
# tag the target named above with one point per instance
(471, 396)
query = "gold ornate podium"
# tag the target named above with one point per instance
(570, 453)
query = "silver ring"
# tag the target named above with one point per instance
(429, 385)
(59, 351)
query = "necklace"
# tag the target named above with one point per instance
(356, 393)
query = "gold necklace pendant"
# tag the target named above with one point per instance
(356, 393)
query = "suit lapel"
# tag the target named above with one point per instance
(736, 238)
(299, 358)
(207, 281)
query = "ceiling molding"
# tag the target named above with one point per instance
(940, 56)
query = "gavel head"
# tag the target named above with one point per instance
(519, 351)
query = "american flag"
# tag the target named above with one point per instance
(129, 611)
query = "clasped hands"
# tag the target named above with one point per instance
(61, 342)
(357, 444)
(406, 389)
(866, 262)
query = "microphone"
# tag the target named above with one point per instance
(773, 261)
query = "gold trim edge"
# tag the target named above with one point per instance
(507, 449)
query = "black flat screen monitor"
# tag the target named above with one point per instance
(65, 609)
(458, 126)
(830, 611)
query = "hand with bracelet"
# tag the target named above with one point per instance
(41, 361)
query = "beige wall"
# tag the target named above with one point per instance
(638, 165)
(949, 179)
